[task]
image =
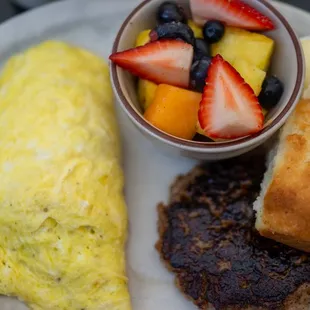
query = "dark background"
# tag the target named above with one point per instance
(7, 10)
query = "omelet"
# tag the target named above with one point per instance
(63, 221)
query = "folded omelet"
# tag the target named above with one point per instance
(63, 219)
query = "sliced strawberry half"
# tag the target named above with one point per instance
(231, 12)
(229, 108)
(164, 61)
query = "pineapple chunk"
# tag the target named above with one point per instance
(199, 129)
(252, 75)
(265, 112)
(146, 93)
(196, 29)
(174, 110)
(254, 48)
(143, 38)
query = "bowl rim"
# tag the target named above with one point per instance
(247, 141)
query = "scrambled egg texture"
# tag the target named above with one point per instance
(63, 219)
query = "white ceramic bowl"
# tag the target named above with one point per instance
(287, 64)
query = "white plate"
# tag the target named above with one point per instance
(93, 24)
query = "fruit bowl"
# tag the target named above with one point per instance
(287, 64)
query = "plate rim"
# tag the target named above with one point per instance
(49, 21)
(30, 22)
(58, 6)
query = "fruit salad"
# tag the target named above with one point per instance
(205, 76)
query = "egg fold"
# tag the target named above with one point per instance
(63, 219)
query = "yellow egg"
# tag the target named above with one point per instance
(63, 219)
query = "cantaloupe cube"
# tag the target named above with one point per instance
(174, 110)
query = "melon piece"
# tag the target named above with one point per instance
(175, 111)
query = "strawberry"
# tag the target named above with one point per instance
(162, 62)
(229, 108)
(231, 12)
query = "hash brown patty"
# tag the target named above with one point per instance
(208, 239)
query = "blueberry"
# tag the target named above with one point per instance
(271, 92)
(213, 31)
(201, 49)
(170, 12)
(199, 72)
(173, 31)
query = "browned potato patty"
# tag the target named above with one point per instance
(208, 239)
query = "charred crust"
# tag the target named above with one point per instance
(207, 238)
